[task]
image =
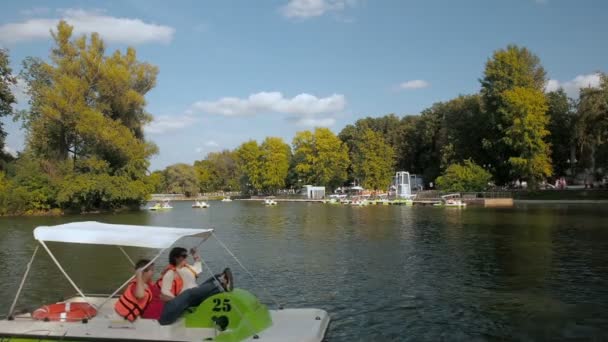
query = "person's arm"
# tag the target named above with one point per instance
(198, 265)
(167, 283)
(140, 285)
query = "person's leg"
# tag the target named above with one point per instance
(175, 307)
(205, 290)
(195, 296)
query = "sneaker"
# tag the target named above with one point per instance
(229, 281)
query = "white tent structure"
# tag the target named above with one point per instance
(288, 324)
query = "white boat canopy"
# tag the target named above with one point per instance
(98, 233)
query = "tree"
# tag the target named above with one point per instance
(7, 99)
(374, 161)
(205, 176)
(249, 160)
(592, 123)
(388, 126)
(467, 176)
(158, 182)
(181, 179)
(507, 69)
(408, 146)
(224, 170)
(513, 67)
(561, 127)
(320, 158)
(274, 163)
(526, 111)
(85, 121)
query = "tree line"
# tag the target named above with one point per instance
(86, 150)
(511, 129)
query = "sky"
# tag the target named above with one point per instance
(232, 70)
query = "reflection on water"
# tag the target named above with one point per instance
(383, 272)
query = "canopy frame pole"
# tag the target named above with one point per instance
(127, 255)
(130, 279)
(63, 271)
(27, 271)
(255, 280)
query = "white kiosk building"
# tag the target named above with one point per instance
(314, 192)
(405, 184)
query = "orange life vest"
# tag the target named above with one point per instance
(131, 307)
(178, 282)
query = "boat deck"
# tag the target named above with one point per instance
(288, 325)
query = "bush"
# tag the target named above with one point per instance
(464, 177)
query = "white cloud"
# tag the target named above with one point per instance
(414, 84)
(164, 124)
(35, 11)
(573, 86)
(315, 122)
(313, 8)
(211, 143)
(9, 150)
(111, 29)
(552, 85)
(303, 104)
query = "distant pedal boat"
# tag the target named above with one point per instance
(201, 204)
(269, 201)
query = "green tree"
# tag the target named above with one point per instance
(561, 127)
(249, 157)
(373, 161)
(205, 176)
(388, 126)
(592, 122)
(527, 110)
(275, 163)
(507, 69)
(6, 97)
(320, 158)
(224, 170)
(513, 67)
(467, 176)
(408, 147)
(85, 121)
(158, 182)
(181, 179)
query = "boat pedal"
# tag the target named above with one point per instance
(221, 322)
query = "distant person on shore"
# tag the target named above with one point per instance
(178, 287)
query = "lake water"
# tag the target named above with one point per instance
(383, 273)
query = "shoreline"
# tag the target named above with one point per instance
(564, 201)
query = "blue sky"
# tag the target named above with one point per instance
(237, 70)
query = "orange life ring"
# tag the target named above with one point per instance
(65, 312)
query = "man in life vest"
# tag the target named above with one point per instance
(141, 297)
(178, 287)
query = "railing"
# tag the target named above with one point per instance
(434, 194)
(487, 194)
